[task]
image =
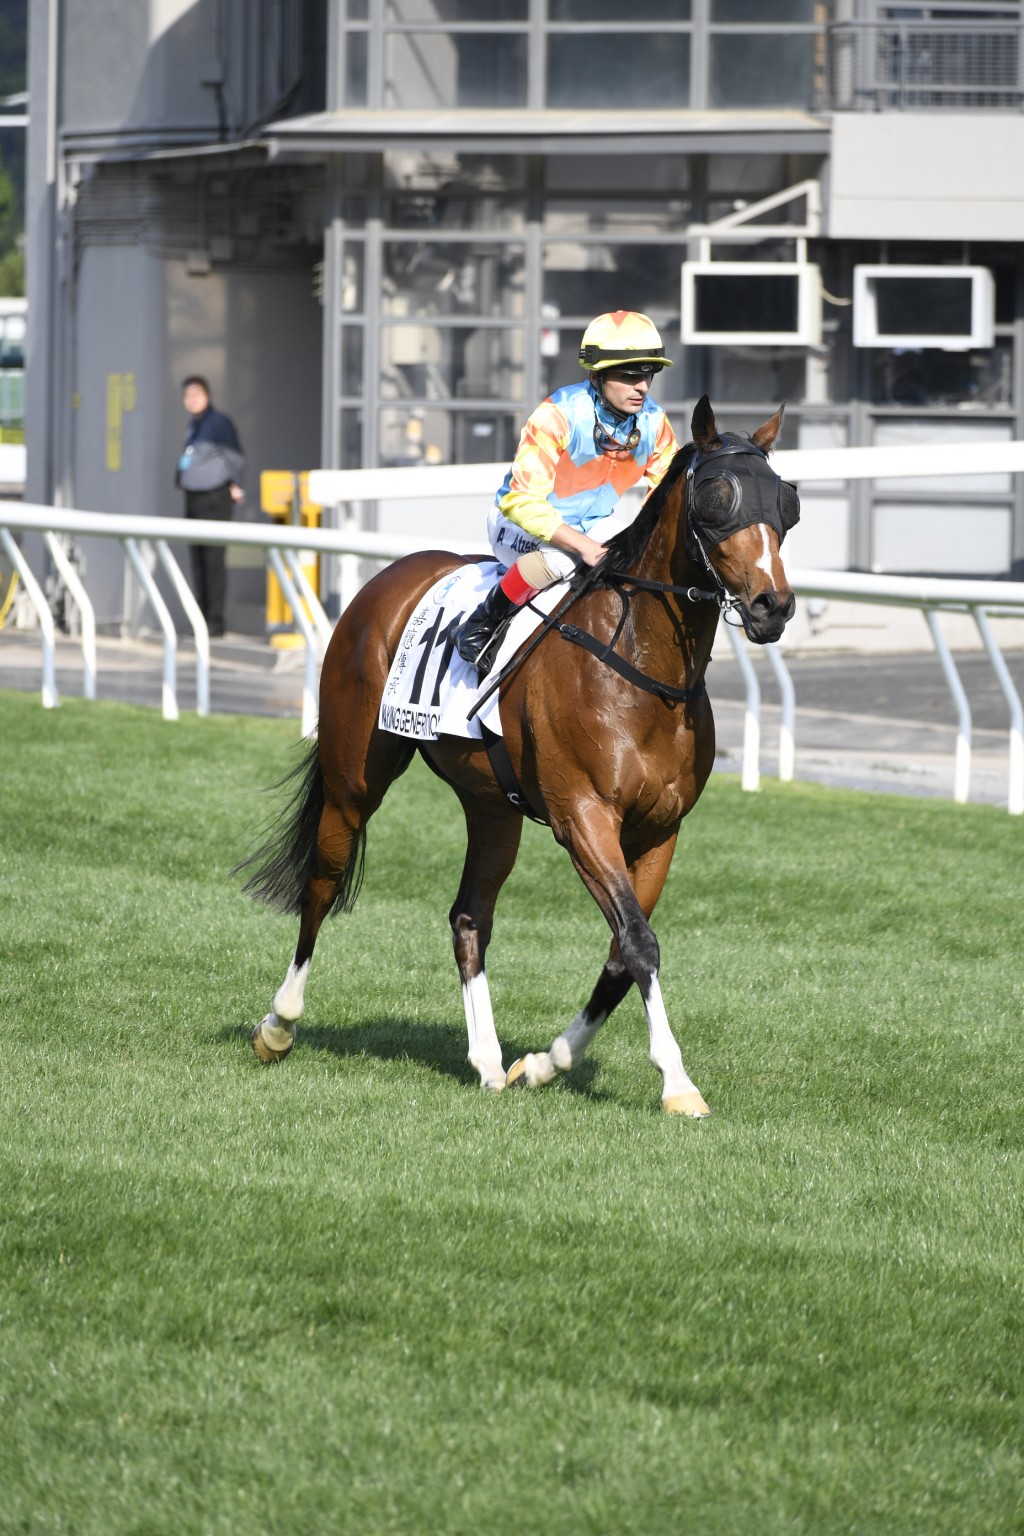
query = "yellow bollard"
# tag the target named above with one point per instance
(280, 490)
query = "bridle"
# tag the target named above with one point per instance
(696, 528)
(700, 533)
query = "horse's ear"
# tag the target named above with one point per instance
(765, 435)
(703, 429)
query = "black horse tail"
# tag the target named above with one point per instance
(285, 862)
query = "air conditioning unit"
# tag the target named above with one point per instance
(950, 308)
(751, 304)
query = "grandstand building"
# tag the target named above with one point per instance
(380, 226)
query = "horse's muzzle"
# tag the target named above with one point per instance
(767, 616)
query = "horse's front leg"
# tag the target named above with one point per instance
(627, 897)
(493, 843)
(568, 1049)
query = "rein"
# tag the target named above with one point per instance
(606, 652)
(620, 581)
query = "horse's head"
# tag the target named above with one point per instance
(738, 513)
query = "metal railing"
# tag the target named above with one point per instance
(908, 66)
(146, 541)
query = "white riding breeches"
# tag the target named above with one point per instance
(509, 541)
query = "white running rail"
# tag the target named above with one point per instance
(347, 490)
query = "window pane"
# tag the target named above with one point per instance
(353, 266)
(750, 373)
(925, 377)
(614, 175)
(423, 278)
(358, 10)
(425, 362)
(588, 280)
(441, 11)
(941, 540)
(768, 10)
(753, 176)
(474, 192)
(638, 216)
(618, 72)
(351, 360)
(352, 437)
(762, 71)
(435, 69)
(437, 436)
(613, 10)
(355, 69)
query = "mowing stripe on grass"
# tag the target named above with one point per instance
(353, 1293)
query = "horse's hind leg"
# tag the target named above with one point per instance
(338, 866)
(334, 881)
(490, 854)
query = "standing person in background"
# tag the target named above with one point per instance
(210, 472)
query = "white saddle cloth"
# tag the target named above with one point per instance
(430, 689)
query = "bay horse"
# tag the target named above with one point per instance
(611, 740)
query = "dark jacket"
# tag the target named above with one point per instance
(212, 455)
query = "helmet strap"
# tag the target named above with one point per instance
(597, 382)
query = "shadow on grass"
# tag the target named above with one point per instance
(439, 1047)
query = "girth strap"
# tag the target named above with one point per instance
(501, 763)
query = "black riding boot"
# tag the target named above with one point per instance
(477, 637)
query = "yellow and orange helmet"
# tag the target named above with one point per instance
(618, 339)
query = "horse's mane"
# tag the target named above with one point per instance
(625, 549)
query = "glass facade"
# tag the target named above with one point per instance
(464, 280)
(413, 55)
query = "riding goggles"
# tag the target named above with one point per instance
(605, 442)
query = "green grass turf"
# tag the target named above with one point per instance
(355, 1294)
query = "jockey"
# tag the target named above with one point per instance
(580, 450)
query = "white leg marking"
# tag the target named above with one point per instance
(484, 1046)
(289, 999)
(279, 1036)
(665, 1052)
(566, 1052)
(572, 1044)
(765, 562)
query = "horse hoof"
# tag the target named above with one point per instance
(264, 1049)
(534, 1070)
(690, 1104)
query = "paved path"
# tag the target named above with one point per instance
(877, 721)
(865, 721)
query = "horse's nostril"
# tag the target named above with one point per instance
(770, 604)
(767, 602)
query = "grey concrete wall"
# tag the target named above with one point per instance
(137, 65)
(926, 176)
(255, 336)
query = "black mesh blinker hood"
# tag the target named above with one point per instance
(757, 491)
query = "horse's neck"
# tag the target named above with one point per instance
(675, 620)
